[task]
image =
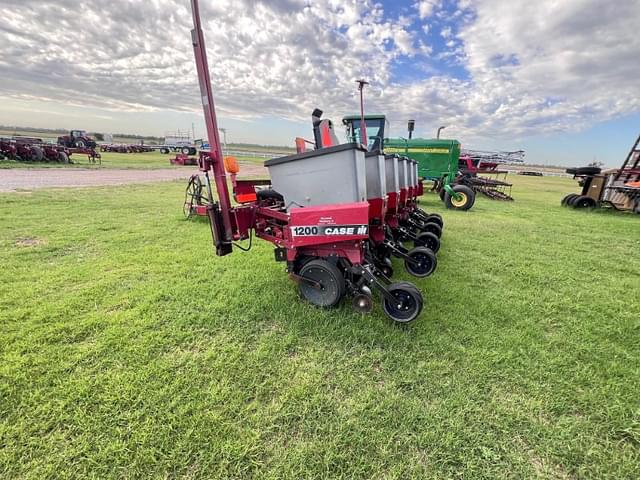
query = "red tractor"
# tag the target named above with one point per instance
(77, 139)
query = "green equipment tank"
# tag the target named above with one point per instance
(437, 158)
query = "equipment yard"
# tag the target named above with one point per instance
(143, 359)
(443, 283)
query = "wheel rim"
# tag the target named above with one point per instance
(459, 203)
(424, 265)
(405, 306)
(428, 240)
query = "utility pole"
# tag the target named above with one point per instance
(224, 137)
(363, 126)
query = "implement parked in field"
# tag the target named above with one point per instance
(314, 209)
(618, 188)
(437, 158)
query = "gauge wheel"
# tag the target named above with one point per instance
(408, 304)
(331, 287)
(466, 200)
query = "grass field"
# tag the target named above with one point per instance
(128, 350)
(149, 160)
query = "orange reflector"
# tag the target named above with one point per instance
(231, 165)
(246, 197)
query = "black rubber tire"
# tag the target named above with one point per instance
(566, 199)
(192, 150)
(584, 202)
(164, 150)
(63, 157)
(435, 218)
(269, 194)
(427, 259)
(469, 198)
(331, 279)
(185, 150)
(429, 240)
(409, 306)
(432, 227)
(587, 171)
(571, 201)
(37, 155)
(80, 144)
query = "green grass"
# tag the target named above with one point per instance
(148, 160)
(128, 350)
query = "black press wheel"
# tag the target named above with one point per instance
(435, 218)
(432, 228)
(565, 200)
(584, 202)
(425, 262)
(407, 305)
(466, 200)
(324, 285)
(429, 240)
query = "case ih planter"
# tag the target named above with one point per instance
(320, 233)
(386, 229)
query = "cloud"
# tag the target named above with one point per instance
(507, 67)
(425, 8)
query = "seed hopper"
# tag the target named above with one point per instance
(388, 177)
(314, 209)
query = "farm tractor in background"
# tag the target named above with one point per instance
(437, 158)
(77, 139)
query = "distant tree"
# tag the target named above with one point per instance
(596, 163)
(99, 137)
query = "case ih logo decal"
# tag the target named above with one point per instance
(319, 230)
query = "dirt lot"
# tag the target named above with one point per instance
(12, 180)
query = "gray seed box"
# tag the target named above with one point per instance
(392, 175)
(376, 175)
(321, 177)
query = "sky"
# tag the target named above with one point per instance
(557, 78)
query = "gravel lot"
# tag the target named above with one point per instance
(12, 180)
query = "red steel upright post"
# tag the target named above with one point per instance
(216, 158)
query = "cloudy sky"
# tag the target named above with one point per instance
(560, 78)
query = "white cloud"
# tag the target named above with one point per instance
(533, 67)
(425, 8)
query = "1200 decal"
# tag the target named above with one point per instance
(318, 230)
